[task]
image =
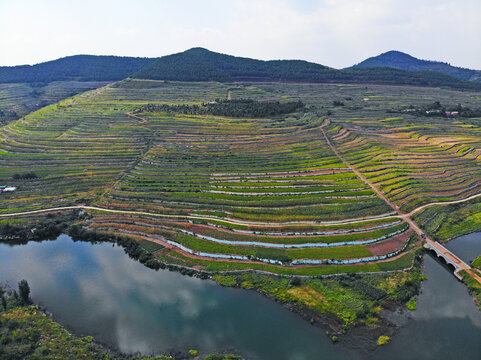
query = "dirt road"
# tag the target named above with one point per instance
(407, 217)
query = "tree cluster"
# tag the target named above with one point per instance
(131, 247)
(436, 109)
(25, 176)
(7, 115)
(230, 108)
(48, 227)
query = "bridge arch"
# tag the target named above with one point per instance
(451, 267)
(432, 252)
(442, 259)
(441, 254)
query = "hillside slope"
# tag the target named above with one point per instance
(78, 68)
(200, 64)
(403, 61)
(18, 99)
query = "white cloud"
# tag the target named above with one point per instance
(336, 33)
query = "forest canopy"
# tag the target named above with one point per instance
(200, 64)
(78, 67)
(232, 108)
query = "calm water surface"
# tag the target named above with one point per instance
(97, 290)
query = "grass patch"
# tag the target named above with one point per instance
(411, 304)
(150, 246)
(383, 340)
(474, 287)
(477, 262)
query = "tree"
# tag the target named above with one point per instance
(4, 301)
(296, 282)
(24, 290)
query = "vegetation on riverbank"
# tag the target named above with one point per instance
(474, 287)
(50, 226)
(477, 262)
(412, 304)
(27, 333)
(72, 223)
(383, 340)
(444, 223)
(340, 302)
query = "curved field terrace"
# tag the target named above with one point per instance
(220, 193)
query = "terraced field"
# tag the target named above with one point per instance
(416, 166)
(19, 99)
(219, 193)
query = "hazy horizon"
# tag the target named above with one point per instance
(337, 34)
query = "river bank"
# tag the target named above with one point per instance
(95, 289)
(27, 331)
(354, 310)
(348, 308)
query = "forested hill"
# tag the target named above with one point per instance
(199, 64)
(78, 67)
(400, 60)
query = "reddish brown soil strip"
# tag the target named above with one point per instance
(389, 246)
(197, 257)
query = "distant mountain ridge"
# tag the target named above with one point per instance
(400, 60)
(198, 64)
(77, 67)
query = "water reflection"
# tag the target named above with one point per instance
(467, 247)
(97, 290)
(446, 324)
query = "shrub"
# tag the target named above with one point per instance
(411, 304)
(296, 282)
(25, 176)
(382, 340)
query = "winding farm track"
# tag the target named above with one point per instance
(228, 221)
(127, 212)
(396, 213)
(240, 222)
(407, 217)
(142, 120)
(451, 202)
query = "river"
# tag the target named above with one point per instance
(98, 290)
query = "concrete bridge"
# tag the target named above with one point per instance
(447, 257)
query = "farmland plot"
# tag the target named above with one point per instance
(221, 193)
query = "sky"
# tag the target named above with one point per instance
(336, 33)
